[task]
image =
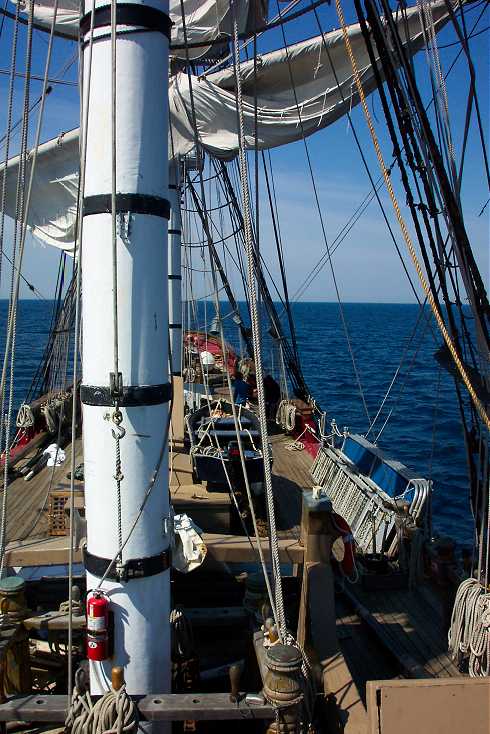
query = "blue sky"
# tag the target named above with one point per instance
(366, 264)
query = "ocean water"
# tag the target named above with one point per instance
(423, 430)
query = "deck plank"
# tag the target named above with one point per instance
(222, 547)
(403, 614)
(290, 476)
(27, 502)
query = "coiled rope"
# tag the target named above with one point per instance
(469, 633)
(297, 444)
(286, 415)
(25, 418)
(50, 412)
(114, 713)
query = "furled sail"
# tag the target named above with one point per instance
(206, 20)
(299, 90)
(53, 203)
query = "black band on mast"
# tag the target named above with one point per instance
(129, 14)
(135, 568)
(134, 203)
(131, 397)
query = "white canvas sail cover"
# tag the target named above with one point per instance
(300, 89)
(205, 20)
(324, 90)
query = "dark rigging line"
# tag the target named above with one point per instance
(322, 223)
(38, 78)
(458, 43)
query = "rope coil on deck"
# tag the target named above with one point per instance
(469, 633)
(114, 713)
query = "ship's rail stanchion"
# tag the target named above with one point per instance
(317, 630)
(316, 623)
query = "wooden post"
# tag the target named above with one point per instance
(316, 624)
(317, 619)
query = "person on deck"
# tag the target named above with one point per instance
(240, 390)
(272, 394)
(252, 385)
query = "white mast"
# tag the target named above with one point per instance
(174, 270)
(139, 588)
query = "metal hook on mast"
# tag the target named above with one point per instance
(118, 432)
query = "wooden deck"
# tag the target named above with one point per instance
(412, 623)
(27, 502)
(290, 476)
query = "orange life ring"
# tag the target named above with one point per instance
(348, 562)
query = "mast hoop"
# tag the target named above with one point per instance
(133, 203)
(132, 396)
(128, 14)
(134, 568)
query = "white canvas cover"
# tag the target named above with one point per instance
(300, 89)
(205, 20)
(284, 115)
(53, 204)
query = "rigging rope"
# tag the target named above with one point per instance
(237, 424)
(406, 235)
(256, 337)
(324, 233)
(434, 63)
(118, 432)
(77, 253)
(213, 264)
(13, 57)
(20, 226)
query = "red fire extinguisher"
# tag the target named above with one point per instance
(97, 626)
